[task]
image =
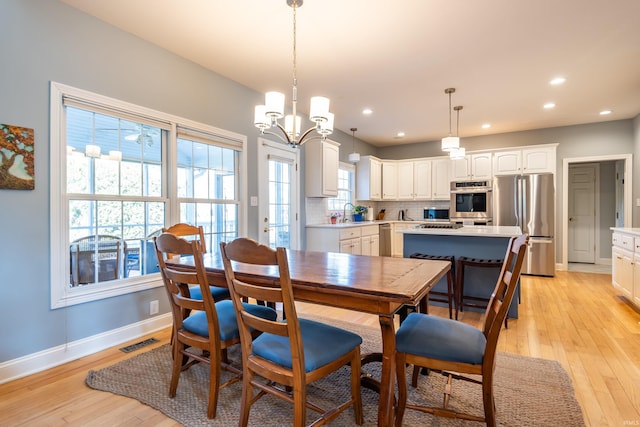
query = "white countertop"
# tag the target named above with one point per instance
(468, 230)
(628, 230)
(360, 224)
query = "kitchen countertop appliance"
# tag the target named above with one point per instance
(435, 214)
(528, 201)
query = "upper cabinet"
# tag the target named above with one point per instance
(321, 177)
(430, 178)
(389, 180)
(414, 179)
(526, 160)
(440, 178)
(473, 166)
(369, 178)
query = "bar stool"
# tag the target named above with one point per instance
(437, 296)
(463, 300)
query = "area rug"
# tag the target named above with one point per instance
(528, 391)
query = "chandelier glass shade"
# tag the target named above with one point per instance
(266, 116)
(459, 152)
(450, 142)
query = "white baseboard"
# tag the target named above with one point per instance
(46, 359)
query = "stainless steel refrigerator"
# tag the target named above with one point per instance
(528, 201)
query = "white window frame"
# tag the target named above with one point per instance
(351, 168)
(62, 295)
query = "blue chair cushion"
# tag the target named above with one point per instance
(322, 344)
(217, 293)
(440, 338)
(197, 322)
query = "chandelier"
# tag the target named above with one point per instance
(266, 116)
(450, 143)
(460, 152)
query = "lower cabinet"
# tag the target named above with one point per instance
(397, 239)
(370, 241)
(625, 273)
(356, 240)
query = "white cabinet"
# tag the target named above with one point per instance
(350, 246)
(370, 240)
(321, 177)
(369, 178)
(507, 162)
(356, 240)
(473, 166)
(622, 272)
(389, 180)
(414, 179)
(440, 178)
(625, 273)
(397, 239)
(537, 159)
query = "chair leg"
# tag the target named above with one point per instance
(450, 292)
(355, 388)
(245, 401)
(300, 406)
(178, 358)
(489, 403)
(214, 387)
(402, 387)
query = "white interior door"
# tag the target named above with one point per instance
(278, 188)
(582, 213)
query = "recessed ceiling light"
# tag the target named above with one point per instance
(486, 126)
(557, 81)
(400, 134)
(605, 112)
(549, 105)
(367, 111)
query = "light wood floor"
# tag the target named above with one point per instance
(574, 318)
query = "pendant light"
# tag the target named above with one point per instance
(460, 152)
(355, 156)
(450, 143)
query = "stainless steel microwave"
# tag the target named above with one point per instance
(471, 200)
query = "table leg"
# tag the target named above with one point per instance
(387, 377)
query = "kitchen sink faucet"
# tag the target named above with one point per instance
(344, 211)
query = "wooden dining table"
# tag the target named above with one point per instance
(369, 284)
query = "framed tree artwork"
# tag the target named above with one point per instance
(16, 158)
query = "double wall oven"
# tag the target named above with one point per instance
(472, 202)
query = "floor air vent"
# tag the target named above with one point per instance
(134, 347)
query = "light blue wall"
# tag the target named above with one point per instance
(45, 40)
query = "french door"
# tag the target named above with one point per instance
(278, 189)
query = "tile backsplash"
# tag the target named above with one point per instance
(318, 212)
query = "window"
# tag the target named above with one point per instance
(207, 188)
(119, 174)
(346, 188)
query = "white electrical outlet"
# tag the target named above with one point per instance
(154, 307)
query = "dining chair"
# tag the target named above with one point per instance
(197, 232)
(291, 353)
(209, 326)
(455, 348)
(96, 252)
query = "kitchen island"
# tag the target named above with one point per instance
(484, 242)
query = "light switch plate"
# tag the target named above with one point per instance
(254, 201)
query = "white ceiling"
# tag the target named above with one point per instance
(397, 57)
